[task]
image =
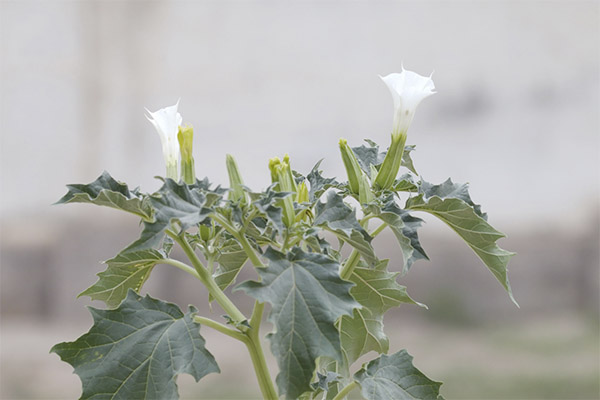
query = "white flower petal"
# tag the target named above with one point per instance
(408, 89)
(166, 121)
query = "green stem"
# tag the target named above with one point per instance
(350, 264)
(240, 238)
(221, 328)
(379, 229)
(258, 355)
(344, 392)
(234, 313)
(182, 266)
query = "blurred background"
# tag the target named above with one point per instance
(516, 115)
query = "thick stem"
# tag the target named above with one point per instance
(234, 313)
(344, 392)
(182, 266)
(240, 238)
(350, 264)
(221, 328)
(257, 354)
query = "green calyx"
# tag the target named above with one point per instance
(281, 173)
(351, 164)
(185, 136)
(236, 183)
(391, 163)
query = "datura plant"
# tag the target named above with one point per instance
(310, 240)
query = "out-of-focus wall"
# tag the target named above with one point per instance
(516, 115)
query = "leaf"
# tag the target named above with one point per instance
(450, 190)
(337, 217)
(137, 350)
(105, 191)
(406, 183)
(370, 156)
(376, 290)
(307, 296)
(267, 205)
(125, 271)
(318, 184)
(407, 161)
(395, 377)
(231, 259)
(470, 225)
(404, 226)
(181, 203)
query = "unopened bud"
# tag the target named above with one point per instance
(185, 137)
(236, 183)
(352, 168)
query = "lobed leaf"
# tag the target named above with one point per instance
(137, 350)
(338, 218)
(307, 297)
(188, 205)
(125, 271)
(105, 191)
(395, 377)
(469, 223)
(376, 290)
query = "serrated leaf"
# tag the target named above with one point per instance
(137, 350)
(338, 218)
(406, 183)
(376, 290)
(450, 190)
(105, 191)
(181, 203)
(369, 156)
(404, 226)
(318, 184)
(231, 258)
(267, 204)
(125, 271)
(472, 228)
(395, 377)
(307, 296)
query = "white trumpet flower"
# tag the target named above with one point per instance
(167, 121)
(408, 90)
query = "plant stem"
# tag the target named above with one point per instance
(240, 238)
(221, 328)
(234, 313)
(350, 264)
(379, 229)
(257, 354)
(344, 392)
(182, 266)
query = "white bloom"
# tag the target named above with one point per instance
(408, 90)
(167, 121)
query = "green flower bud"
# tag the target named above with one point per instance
(302, 195)
(352, 168)
(185, 137)
(236, 183)
(281, 174)
(365, 195)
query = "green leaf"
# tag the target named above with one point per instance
(307, 297)
(395, 377)
(368, 156)
(337, 217)
(404, 226)
(231, 258)
(105, 191)
(319, 184)
(469, 223)
(125, 271)
(376, 291)
(406, 183)
(450, 190)
(267, 204)
(185, 204)
(137, 350)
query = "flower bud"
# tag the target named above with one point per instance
(185, 137)
(365, 195)
(236, 183)
(282, 175)
(352, 168)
